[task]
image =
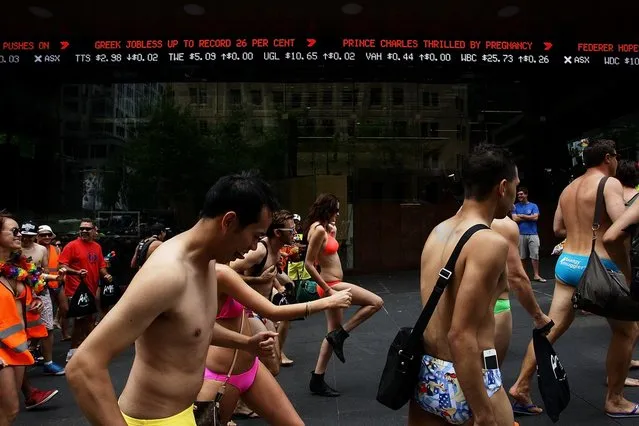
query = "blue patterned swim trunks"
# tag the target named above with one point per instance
(438, 391)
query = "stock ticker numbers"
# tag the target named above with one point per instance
(309, 51)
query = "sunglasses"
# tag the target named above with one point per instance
(14, 231)
(287, 229)
(46, 235)
(86, 229)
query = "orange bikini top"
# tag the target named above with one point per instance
(331, 245)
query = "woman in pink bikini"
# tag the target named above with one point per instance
(323, 250)
(249, 378)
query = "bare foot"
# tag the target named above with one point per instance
(634, 364)
(623, 406)
(286, 361)
(523, 404)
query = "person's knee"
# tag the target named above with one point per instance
(11, 408)
(625, 330)
(272, 364)
(378, 303)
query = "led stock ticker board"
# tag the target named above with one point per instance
(309, 51)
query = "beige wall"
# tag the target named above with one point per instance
(298, 194)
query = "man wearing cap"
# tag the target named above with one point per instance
(296, 269)
(82, 257)
(39, 325)
(45, 238)
(42, 255)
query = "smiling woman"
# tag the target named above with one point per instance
(14, 354)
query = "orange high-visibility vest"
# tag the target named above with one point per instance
(14, 349)
(53, 265)
(35, 327)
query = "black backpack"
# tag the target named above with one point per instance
(143, 249)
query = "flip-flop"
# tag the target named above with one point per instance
(288, 363)
(633, 367)
(620, 415)
(540, 280)
(524, 410)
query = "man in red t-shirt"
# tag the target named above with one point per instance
(82, 258)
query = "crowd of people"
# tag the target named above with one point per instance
(259, 267)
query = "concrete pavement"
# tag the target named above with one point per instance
(582, 351)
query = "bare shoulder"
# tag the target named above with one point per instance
(164, 272)
(507, 228)
(317, 230)
(613, 185)
(42, 249)
(487, 246)
(224, 271)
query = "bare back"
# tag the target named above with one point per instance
(170, 354)
(435, 254)
(331, 265)
(577, 204)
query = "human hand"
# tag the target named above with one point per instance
(263, 344)
(268, 274)
(36, 305)
(541, 321)
(340, 299)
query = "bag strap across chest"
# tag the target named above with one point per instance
(445, 275)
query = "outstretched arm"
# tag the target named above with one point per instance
(231, 283)
(615, 207)
(618, 231)
(152, 292)
(517, 276)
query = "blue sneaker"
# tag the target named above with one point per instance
(52, 369)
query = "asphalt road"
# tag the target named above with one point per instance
(582, 351)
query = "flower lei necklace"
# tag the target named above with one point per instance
(20, 269)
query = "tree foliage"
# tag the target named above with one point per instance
(172, 162)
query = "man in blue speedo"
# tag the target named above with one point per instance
(574, 220)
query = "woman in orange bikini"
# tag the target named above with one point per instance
(323, 250)
(249, 378)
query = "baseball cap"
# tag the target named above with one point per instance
(29, 229)
(297, 217)
(45, 229)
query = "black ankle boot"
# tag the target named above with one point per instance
(336, 339)
(319, 387)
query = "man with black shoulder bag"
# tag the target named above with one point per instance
(587, 208)
(447, 365)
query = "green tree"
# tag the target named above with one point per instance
(166, 164)
(171, 163)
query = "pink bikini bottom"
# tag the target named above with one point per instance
(242, 381)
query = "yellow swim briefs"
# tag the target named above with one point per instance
(185, 418)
